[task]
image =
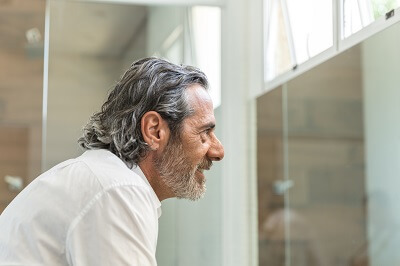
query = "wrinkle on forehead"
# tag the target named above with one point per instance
(201, 104)
(198, 98)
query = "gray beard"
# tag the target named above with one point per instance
(179, 175)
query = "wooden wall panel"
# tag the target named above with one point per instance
(14, 148)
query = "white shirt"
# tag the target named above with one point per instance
(92, 210)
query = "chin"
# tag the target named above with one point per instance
(196, 192)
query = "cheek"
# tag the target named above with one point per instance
(197, 151)
(195, 147)
(195, 142)
(201, 153)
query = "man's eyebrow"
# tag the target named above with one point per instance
(209, 125)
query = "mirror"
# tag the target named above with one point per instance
(328, 153)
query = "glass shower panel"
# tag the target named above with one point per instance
(326, 163)
(271, 230)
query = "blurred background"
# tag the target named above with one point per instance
(306, 97)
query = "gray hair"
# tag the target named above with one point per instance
(150, 84)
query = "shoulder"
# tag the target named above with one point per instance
(109, 170)
(87, 178)
(116, 206)
(120, 223)
(132, 198)
(117, 181)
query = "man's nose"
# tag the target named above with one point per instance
(216, 151)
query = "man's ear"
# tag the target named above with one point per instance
(155, 130)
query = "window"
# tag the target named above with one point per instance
(295, 32)
(358, 14)
(207, 46)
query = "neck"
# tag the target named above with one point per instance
(154, 178)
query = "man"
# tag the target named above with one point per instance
(152, 140)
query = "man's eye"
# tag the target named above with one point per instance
(208, 131)
(204, 134)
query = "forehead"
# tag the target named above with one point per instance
(200, 101)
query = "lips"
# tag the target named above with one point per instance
(201, 170)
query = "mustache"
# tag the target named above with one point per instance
(206, 164)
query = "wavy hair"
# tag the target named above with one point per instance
(150, 84)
